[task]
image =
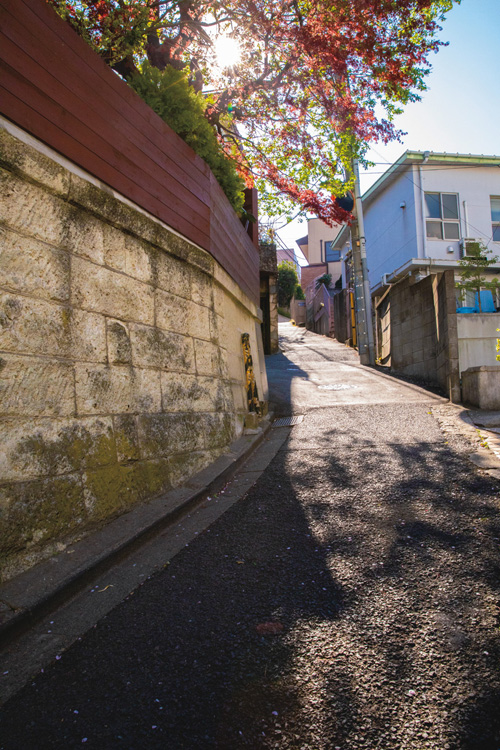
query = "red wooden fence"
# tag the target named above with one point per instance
(56, 88)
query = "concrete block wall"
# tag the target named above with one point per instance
(447, 365)
(413, 329)
(121, 370)
(417, 331)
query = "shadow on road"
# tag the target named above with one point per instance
(349, 600)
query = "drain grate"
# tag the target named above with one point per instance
(288, 421)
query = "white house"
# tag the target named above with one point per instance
(420, 212)
(420, 217)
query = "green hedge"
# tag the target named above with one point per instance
(169, 94)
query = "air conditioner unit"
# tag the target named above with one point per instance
(470, 247)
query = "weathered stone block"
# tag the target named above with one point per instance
(198, 321)
(181, 392)
(116, 389)
(218, 429)
(38, 167)
(110, 490)
(101, 203)
(185, 465)
(40, 510)
(183, 250)
(223, 363)
(102, 290)
(239, 397)
(114, 248)
(182, 316)
(216, 325)
(207, 358)
(172, 312)
(173, 275)
(33, 386)
(152, 347)
(119, 346)
(50, 447)
(155, 477)
(128, 254)
(220, 301)
(33, 268)
(88, 336)
(31, 210)
(164, 434)
(126, 437)
(202, 289)
(138, 259)
(34, 326)
(83, 235)
(235, 366)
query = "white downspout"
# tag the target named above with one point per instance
(466, 219)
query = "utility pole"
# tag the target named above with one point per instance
(362, 296)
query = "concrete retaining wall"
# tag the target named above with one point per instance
(298, 311)
(481, 386)
(417, 331)
(477, 337)
(121, 369)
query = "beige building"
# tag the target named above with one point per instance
(318, 249)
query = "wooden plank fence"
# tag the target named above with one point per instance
(54, 86)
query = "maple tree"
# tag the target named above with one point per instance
(317, 80)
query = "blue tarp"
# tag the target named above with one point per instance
(487, 304)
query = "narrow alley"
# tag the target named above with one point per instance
(349, 601)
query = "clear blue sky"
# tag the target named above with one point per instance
(460, 111)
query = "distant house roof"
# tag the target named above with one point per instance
(286, 253)
(303, 240)
(417, 157)
(426, 157)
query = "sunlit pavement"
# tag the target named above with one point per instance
(316, 371)
(349, 601)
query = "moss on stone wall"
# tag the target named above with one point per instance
(108, 315)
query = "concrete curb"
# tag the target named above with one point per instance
(28, 597)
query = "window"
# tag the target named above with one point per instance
(495, 217)
(331, 256)
(441, 216)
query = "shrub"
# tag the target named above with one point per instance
(326, 279)
(287, 282)
(299, 293)
(169, 94)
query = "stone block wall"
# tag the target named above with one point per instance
(121, 371)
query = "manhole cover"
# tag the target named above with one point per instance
(288, 421)
(338, 387)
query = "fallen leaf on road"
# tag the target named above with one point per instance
(109, 586)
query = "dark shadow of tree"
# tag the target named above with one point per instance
(377, 566)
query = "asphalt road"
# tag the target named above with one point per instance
(350, 600)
